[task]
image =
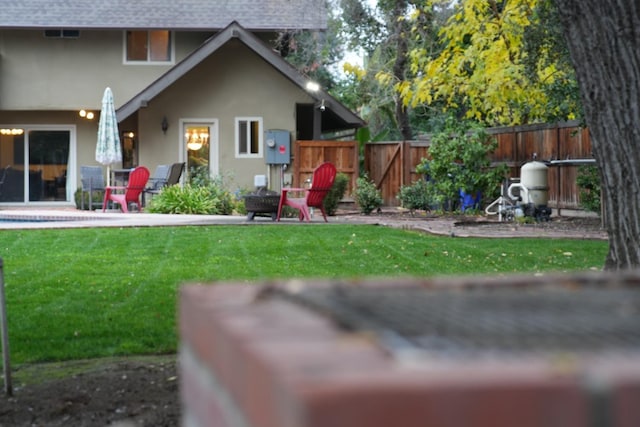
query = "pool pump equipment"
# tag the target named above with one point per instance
(524, 197)
(531, 194)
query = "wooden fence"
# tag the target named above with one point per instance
(392, 164)
(564, 141)
(309, 154)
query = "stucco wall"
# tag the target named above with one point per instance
(232, 82)
(69, 74)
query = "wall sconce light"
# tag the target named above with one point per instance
(322, 107)
(164, 125)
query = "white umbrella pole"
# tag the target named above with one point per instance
(108, 176)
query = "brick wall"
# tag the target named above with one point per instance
(250, 361)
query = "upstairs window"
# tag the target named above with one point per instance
(148, 46)
(62, 34)
(248, 136)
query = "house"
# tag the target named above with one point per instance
(195, 81)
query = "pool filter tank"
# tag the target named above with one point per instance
(533, 190)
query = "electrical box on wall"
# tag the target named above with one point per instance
(277, 147)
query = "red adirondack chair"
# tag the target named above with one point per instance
(323, 177)
(131, 193)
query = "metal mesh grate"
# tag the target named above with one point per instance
(484, 319)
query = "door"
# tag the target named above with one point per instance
(200, 149)
(34, 163)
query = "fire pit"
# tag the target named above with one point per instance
(262, 202)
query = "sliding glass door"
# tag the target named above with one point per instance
(34, 164)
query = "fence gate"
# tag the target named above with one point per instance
(391, 165)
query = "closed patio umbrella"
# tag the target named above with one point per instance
(108, 149)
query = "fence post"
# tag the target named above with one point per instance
(8, 388)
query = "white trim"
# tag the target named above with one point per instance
(214, 146)
(172, 61)
(236, 132)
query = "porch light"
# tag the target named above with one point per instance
(313, 86)
(195, 140)
(86, 114)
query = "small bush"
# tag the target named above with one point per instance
(183, 200)
(460, 160)
(417, 196)
(336, 194)
(98, 197)
(367, 196)
(209, 199)
(223, 200)
(588, 181)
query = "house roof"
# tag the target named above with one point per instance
(339, 116)
(255, 15)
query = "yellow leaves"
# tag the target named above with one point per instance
(482, 63)
(355, 70)
(405, 91)
(384, 78)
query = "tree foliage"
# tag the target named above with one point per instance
(314, 53)
(396, 29)
(484, 70)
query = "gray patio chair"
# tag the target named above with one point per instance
(159, 178)
(92, 182)
(171, 177)
(176, 173)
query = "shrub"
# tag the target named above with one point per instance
(460, 161)
(223, 200)
(98, 197)
(183, 200)
(208, 198)
(336, 194)
(418, 195)
(199, 176)
(367, 196)
(588, 181)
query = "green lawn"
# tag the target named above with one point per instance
(80, 293)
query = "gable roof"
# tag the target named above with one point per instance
(255, 15)
(333, 108)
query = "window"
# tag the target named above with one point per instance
(62, 34)
(148, 46)
(248, 137)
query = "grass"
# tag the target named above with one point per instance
(85, 293)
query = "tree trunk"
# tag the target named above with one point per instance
(603, 37)
(400, 35)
